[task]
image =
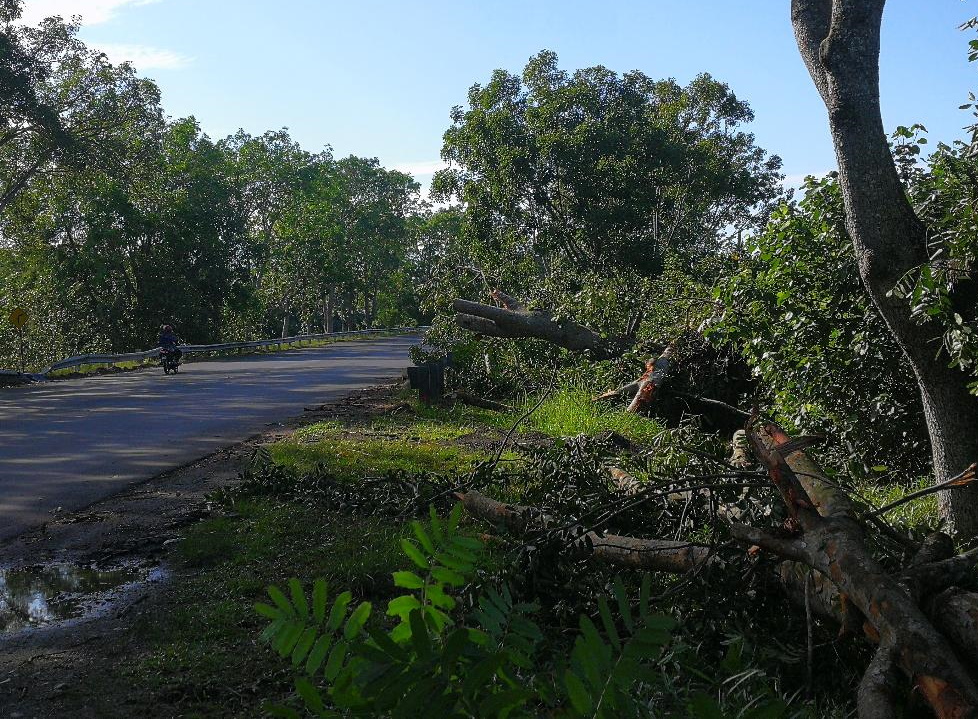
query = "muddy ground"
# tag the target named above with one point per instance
(46, 672)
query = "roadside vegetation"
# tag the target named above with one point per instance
(116, 219)
(725, 412)
(201, 656)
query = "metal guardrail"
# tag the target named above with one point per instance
(109, 359)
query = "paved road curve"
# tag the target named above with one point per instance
(67, 444)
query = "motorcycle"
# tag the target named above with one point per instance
(170, 360)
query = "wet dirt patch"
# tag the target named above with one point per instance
(44, 594)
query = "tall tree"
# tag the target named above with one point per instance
(839, 41)
(64, 102)
(21, 73)
(272, 171)
(602, 168)
(374, 209)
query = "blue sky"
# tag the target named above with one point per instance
(378, 78)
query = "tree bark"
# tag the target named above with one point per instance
(831, 542)
(512, 320)
(331, 309)
(648, 554)
(839, 41)
(285, 320)
(955, 613)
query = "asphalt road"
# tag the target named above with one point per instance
(69, 443)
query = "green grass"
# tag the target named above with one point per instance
(374, 451)
(199, 650)
(569, 412)
(919, 513)
(462, 415)
(202, 656)
(202, 652)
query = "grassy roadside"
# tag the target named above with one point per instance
(199, 654)
(198, 650)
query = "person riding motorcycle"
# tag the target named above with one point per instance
(169, 341)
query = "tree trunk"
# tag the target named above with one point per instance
(839, 41)
(330, 309)
(366, 309)
(285, 321)
(514, 320)
(644, 554)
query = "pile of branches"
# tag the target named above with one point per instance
(920, 614)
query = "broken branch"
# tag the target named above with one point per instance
(519, 322)
(636, 553)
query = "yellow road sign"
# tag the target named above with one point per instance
(18, 318)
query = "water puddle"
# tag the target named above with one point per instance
(43, 594)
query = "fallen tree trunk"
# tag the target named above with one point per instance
(513, 320)
(829, 569)
(626, 390)
(648, 554)
(823, 542)
(831, 541)
(955, 612)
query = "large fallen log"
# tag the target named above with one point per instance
(510, 318)
(513, 320)
(830, 540)
(931, 640)
(955, 612)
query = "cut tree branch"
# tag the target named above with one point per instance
(651, 382)
(648, 554)
(512, 323)
(832, 543)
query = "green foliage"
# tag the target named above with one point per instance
(424, 661)
(604, 671)
(798, 312)
(115, 220)
(601, 168)
(943, 293)
(493, 661)
(596, 196)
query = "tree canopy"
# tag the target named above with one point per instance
(604, 169)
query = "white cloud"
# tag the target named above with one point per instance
(421, 168)
(93, 12)
(143, 57)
